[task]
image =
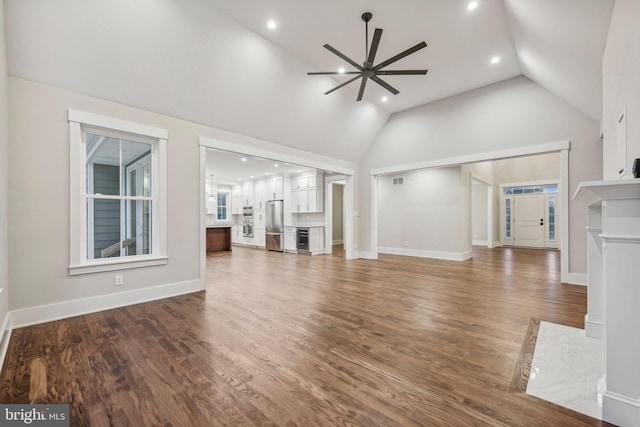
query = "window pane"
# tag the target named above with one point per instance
(517, 190)
(507, 219)
(103, 160)
(105, 233)
(552, 218)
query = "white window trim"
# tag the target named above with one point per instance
(228, 206)
(78, 263)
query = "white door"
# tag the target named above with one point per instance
(529, 220)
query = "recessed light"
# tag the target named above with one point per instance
(472, 5)
(271, 24)
(252, 176)
(495, 59)
(341, 70)
(267, 173)
(244, 159)
(385, 98)
(276, 165)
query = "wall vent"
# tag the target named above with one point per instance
(399, 180)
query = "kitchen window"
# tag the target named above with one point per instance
(118, 194)
(223, 206)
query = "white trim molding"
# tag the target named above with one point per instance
(451, 256)
(473, 158)
(576, 279)
(5, 337)
(620, 410)
(65, 309)
(593, 328)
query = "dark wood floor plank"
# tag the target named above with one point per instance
(282, 339)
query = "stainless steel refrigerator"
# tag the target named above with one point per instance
(274, 218)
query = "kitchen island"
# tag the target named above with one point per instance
(218, 238)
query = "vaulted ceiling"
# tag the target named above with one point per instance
(216, 62)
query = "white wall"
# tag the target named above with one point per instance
(621, 85)
(426, 215)
(228, 77)
(544, 167)
(479, 218)
(4, 175)
(513, 113)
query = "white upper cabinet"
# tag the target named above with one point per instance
(307, 193)
(274, 190)
(247, 193)
(236, 200)
(259, 194)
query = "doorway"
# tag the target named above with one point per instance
(528, 216)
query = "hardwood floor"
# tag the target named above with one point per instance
(284, 339)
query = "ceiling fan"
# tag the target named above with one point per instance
(367, 70)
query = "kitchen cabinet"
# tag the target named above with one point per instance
(236, 234)
(290, 239)
(259, 237)
(247, 194)
(236, 200)
(307, 193)
(259, 197)
(275, 189)
(218, 239)
(316, 240)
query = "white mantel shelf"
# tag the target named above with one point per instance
(613, 251)
(593, 192)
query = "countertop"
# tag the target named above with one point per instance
(219, 226)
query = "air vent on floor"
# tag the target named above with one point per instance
(399, 180)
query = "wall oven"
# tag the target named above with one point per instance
(247, 221)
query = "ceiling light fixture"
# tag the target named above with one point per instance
(341, 70)
(385, 98)
(276, 165)
(244, 159)
(495, 59)
(272, 25)
(473, 5)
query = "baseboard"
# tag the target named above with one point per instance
(452, 256)
(576, 279)
(62, 310)
(364, 255)
(593, 328)
(497, 244)
(5, 338)
(620, 410)
(338, 242)
(480, 243)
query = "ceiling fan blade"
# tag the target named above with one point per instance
(343, 84)
(400, 56)
(385, 85)
(400, 72)
(361, 91)
(330, 73)
(374, 48)
(343, 56)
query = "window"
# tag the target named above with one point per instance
(507, 219)
(118, 194)
(223, 206)
(552, 219)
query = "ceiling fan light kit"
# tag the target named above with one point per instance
(367, 70)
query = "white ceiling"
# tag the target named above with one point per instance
(556, 43)
(226, 167)
(214, 62)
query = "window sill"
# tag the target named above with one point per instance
(117, 264)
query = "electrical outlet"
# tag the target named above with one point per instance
(119, 280)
